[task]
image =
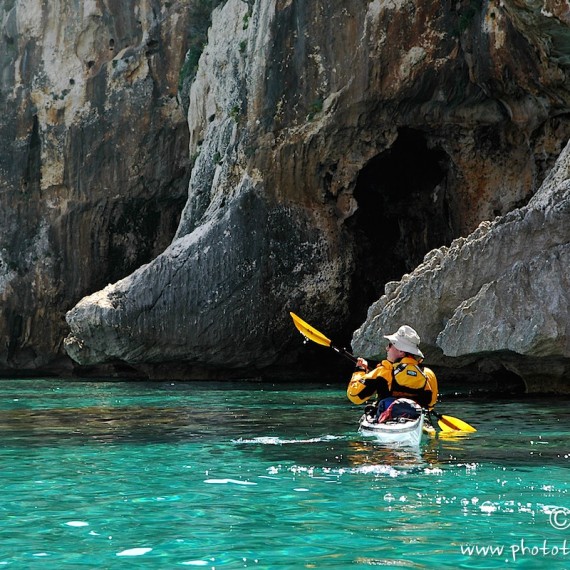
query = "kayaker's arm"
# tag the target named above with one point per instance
(363, 386)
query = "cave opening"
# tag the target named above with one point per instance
(404, 211)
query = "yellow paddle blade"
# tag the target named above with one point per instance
(452, 435)
(459, 424)
(309, 332)
(449, 423)
(445, 428)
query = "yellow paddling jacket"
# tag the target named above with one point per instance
(402, 379)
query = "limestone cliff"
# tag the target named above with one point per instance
(94, 161)
(334, 144)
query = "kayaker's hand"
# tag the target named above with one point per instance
(361, 363)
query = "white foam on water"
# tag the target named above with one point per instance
(134, 552)
(273, 440)
(228, 481)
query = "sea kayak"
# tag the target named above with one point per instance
(401, 423)
(402, 431)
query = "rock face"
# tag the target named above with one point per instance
(94, 161)
(334, 145)
(497, 300)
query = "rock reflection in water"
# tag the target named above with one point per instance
(108, 424)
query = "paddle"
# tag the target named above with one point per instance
(313, 334)
(446, 423)
(449, 423)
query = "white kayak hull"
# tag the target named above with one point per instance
(408, 432)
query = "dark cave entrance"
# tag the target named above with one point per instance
(404, 211)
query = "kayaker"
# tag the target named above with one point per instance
(399, 376)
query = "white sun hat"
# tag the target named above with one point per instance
(406, 339)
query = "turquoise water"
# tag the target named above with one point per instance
(245, 475)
